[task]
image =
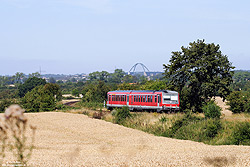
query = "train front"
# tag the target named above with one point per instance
(170, 101)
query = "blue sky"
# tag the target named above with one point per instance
(83, 36)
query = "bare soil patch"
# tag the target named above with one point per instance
(66, 139)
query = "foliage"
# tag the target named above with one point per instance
(202, 130)
(8, 92)
(5, 103)
(241, 81)
(236, 102)
(211, 110)
(128, 86)
(163, 119)
(42, 98)
(121, 115)
(96, 76)
(95, 92)
(117, 76)
(75, 92)
(181, 122)
(202, 71)
(29, 84)
(52, 80)
(241, 134)
(154, 85)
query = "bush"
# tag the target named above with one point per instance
(121, 115)
(183, 121)
(236, 102)
(5, 103)
(203, 130)
(212, 128)
(241, 134)
(211, 110)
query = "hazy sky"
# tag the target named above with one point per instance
(83, 36)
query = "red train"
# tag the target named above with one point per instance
(139, 100)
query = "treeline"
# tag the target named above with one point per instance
(198, 72)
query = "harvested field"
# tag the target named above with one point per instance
(65, 139)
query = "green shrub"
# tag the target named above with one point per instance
(163, 119)
(5, 103)
(212, 128)
(241, 134)
(203, 130)
(183, 121)
(211, 110)
(121, 115)
(236, 102)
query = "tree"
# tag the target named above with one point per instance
(52, 80)
(75, 92)
(236, 102)
(29, 84)
(96, 76)
(200, 70)
(36, 74)
(117, 76)
(18, 77)
(95, 92)
(42, 98)
(154, 85)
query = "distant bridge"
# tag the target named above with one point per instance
(145, 69)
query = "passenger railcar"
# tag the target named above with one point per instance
(159, 101)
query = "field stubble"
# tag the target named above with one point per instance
(66, 139)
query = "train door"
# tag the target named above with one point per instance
(127, 100)
(158, 101)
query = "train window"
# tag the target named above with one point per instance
(151, 98)
(134, 98)
(148, 98)
(156, 99)
(139, 98)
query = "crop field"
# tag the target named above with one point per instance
(67, 139)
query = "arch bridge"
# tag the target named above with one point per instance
(145, 69)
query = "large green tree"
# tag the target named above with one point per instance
(42, 98)
(29, 84)
(199, 72)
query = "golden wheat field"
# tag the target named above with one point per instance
(66, 139)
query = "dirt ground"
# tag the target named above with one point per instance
(66, 139)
